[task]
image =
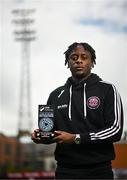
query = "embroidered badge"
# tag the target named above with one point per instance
(93, 102)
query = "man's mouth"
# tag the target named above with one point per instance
(79, 68)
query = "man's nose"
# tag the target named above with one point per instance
(79, 60)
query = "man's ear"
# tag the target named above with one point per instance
(92, 65)
(68, 66)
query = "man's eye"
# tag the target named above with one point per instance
(84, 57)
(74, 57)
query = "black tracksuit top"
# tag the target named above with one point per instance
(93, 109)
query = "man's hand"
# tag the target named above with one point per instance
(36, 139)
(41, 139)
(64, 137)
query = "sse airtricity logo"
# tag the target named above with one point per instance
(93, 102)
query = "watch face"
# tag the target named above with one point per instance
(46, 124)
(77, 139)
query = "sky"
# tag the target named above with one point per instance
(57, 24)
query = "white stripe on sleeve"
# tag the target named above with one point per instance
(116, 125)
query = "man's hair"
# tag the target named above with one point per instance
(86, 47)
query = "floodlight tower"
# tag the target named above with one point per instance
(25, 34)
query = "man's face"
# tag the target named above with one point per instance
(80, 62)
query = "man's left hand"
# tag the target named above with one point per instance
(64, 137)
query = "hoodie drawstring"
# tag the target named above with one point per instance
(84, 102)
(70, 103)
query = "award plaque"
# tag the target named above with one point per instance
(45, 121)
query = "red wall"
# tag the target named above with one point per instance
(121, 156)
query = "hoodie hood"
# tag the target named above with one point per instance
(92, 79)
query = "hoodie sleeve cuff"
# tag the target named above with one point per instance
(85, 138)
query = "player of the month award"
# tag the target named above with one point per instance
(45, 122)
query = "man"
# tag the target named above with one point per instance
(88, 119)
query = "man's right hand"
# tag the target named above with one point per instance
(38, 139)
(34, 136)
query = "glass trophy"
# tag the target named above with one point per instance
(45, 122)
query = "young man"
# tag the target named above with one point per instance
(88, 119)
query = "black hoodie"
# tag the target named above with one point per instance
(93, 109)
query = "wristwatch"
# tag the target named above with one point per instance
(77, 139)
